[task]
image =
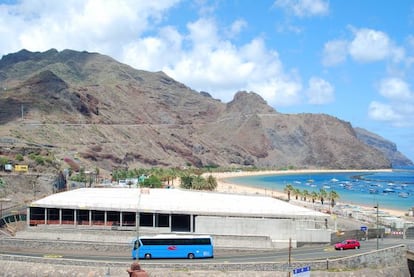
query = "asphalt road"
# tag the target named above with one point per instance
(226, 256)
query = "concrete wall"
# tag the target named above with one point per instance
(243, 242)
(276, 229)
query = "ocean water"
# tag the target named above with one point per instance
(392, 190)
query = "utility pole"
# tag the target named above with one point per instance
(290, 255)
(377, 226)
(137, 218)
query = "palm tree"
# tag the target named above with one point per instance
(97, 171)
(322, 194)
(296, 193)
(211, 183)
(305, 194)
(333, 195)
(314, 195)
(288, 189)
(186, 181)
(198, 183)
(152, 182)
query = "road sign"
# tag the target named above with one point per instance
(364, 228)
(302, 272)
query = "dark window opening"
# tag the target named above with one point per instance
(67, 216)
(82, 217)
(52, 216)
(162, 220)
(128, 219)
(146, 220)
(98, 218)
(180, 223)
(113, 218)
(37, 214)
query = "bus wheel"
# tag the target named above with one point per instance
(190, 255)
(147, 256)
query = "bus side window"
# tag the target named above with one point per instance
(136, 244)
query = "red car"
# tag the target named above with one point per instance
(348, 244)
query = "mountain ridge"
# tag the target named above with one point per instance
(110, 115)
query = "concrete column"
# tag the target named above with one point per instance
(153, 220)
(90, 217)
(105, 218)
(120, 219)
(45, 215)
(60, 216)
(191, 223)
(137, 219)
(28, 216)
(75, 218)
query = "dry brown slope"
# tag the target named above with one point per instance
(110, 115)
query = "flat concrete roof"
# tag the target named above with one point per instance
(175, 201)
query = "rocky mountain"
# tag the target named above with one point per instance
(385, 146)
(106, 114)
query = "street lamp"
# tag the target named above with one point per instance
(376, 207)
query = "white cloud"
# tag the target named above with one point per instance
(334, 52)
(383, 112)
(399, 108)
(395, 89)
(367, 45)
(237, 27)
(370, 45)
(319, 91)
(222, 68)
(201, 55)
(102, 26)
(155, 52)
(304, 8)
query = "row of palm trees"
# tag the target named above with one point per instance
(305, 195)
(189, 178)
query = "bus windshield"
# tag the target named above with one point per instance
(172, 246)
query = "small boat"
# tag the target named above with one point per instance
(348, 187)
(388, 190)
(403, 194)
(373, 191)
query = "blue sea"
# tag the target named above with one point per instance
(392, 190)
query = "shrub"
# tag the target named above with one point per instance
(19, 157)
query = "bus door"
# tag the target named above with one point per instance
(137, 244)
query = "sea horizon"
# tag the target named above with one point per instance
(385, 189)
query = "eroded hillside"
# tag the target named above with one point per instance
(109, 115)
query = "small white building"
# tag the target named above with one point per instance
(176, 210)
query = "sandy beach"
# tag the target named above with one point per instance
(223, 185)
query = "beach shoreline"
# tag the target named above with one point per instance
(223, 185)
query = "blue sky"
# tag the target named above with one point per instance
(351, 59)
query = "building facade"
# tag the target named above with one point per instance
(174, 210)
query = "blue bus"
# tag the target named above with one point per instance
(173, 246)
